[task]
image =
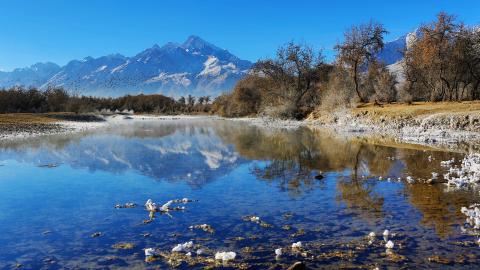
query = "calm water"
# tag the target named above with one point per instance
(48, 214)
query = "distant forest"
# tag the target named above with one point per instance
(441, 63)
(21, 100)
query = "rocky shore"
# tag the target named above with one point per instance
(430, 124)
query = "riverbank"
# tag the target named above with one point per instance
(24, 125)
(437, 124)
(420, 122)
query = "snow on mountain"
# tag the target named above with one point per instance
(194, 67)
(392, 51)
(392, 54)
(36, 75)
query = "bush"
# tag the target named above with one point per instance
(339, 92)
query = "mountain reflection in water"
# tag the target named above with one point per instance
(274, 169)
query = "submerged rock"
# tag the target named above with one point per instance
(438, 259)
(123, 246)
(395, 257)
(297, 266)
(298, 233)
(204, 227)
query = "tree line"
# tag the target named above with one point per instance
(441, 63)
(32, 100)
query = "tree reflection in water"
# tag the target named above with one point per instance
(291, 159)
(199, 152)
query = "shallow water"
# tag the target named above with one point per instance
(48, 213)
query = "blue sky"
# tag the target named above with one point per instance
(59, 30)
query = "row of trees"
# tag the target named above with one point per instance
(285, 86)
(32, 100)
(441, 63)
(192, 104)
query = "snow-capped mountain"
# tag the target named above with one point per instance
(392, 53)
(194, 67)
(34, 75)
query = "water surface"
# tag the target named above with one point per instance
(56, 191)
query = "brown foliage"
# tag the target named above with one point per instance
(443, 63)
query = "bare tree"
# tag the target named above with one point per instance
(358, 49)
(201, 100)
(190, 102)
(292, 75)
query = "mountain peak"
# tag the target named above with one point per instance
(44, 64)
(197, 43)
(193, 39)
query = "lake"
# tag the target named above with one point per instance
(58, 195)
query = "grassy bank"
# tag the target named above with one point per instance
(417, 109)
(420, 122)
(392, 112)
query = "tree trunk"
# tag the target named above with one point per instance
(355, 81)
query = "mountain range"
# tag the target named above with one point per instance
(194, 67)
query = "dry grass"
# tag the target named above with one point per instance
(420, 108)
(450, 115)
(25, 118)
(16, 123)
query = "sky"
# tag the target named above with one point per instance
(34, 31)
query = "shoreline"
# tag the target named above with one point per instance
(443, 129)
(26, 125)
